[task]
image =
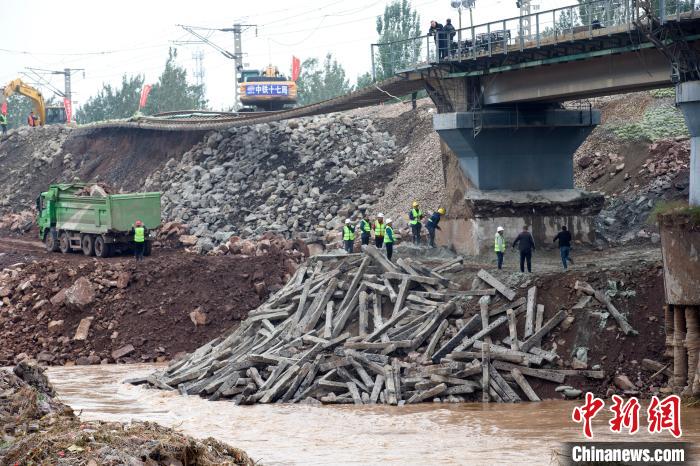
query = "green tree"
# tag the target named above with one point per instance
(111, 103)
(399, 23)
(18, 108)
(364, 80)
(172, 92)
(320, 81)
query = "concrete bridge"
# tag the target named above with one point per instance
(499, 89)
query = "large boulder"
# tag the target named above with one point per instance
(81, 294)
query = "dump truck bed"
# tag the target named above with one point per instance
(105, 214)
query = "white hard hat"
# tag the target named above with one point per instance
(347, 220)
(499, 229)
(380, 215)
(388, 220)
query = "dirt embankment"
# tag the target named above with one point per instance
(36, 428)
(33, 158)
(171, 302)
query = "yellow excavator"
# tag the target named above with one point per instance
(266, 90)
(46, 115)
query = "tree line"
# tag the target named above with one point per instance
(320, 79)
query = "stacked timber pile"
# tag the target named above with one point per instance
(359, 329)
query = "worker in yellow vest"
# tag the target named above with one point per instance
(499, 245)
(415, 216)
(379, 228)
(389, 239)
(349, 236)
(365, 229)
(139, 232)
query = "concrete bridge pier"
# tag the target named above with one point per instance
(688, 99)
(517, 163)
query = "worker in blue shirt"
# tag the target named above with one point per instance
(432, 225)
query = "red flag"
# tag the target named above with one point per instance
(68, 105)
(144, 95)
(4, 108)
(296, 68)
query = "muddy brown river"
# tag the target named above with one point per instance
(277, 434)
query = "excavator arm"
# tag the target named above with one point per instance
(18, 87)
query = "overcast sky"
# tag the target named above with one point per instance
(110, 38)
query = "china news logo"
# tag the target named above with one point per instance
(661, 415)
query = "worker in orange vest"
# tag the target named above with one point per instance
(32, 120)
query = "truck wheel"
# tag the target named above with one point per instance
(102, 249)
(64, 243)
(51, 242)
(147, 248)
(87, 243)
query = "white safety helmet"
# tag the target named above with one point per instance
(380, 215)
(347, 221)
(499, 229)
(388, 220)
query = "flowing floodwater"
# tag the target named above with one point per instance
(426, 434)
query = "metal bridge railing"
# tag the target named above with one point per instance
(580, 21)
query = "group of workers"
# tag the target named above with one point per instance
(32, 120)
(384, 230)
(526, 244)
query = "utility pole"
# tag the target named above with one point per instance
(198, 57)
(236, 56)
(66, 72)
(237, 31)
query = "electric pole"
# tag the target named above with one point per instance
(66, 72)
(198, 57)
(236, 56)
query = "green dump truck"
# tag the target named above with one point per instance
(76, 217)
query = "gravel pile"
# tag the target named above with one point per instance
(304, 175)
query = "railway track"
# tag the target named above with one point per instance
(192, 120)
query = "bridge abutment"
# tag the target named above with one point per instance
(688, 99)
(518, 167)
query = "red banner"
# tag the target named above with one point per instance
(144, 95)
(68, 105)
(3, 110)
(296, 68)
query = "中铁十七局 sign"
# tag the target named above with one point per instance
(267, 89)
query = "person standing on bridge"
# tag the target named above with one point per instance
(415, 215)
(437, 31)
(499, 245)
(379, 228)
(365, 228)
(450, 32)
(526, 244)
(349, 236)
(564, 237)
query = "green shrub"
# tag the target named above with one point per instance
(660, 122)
